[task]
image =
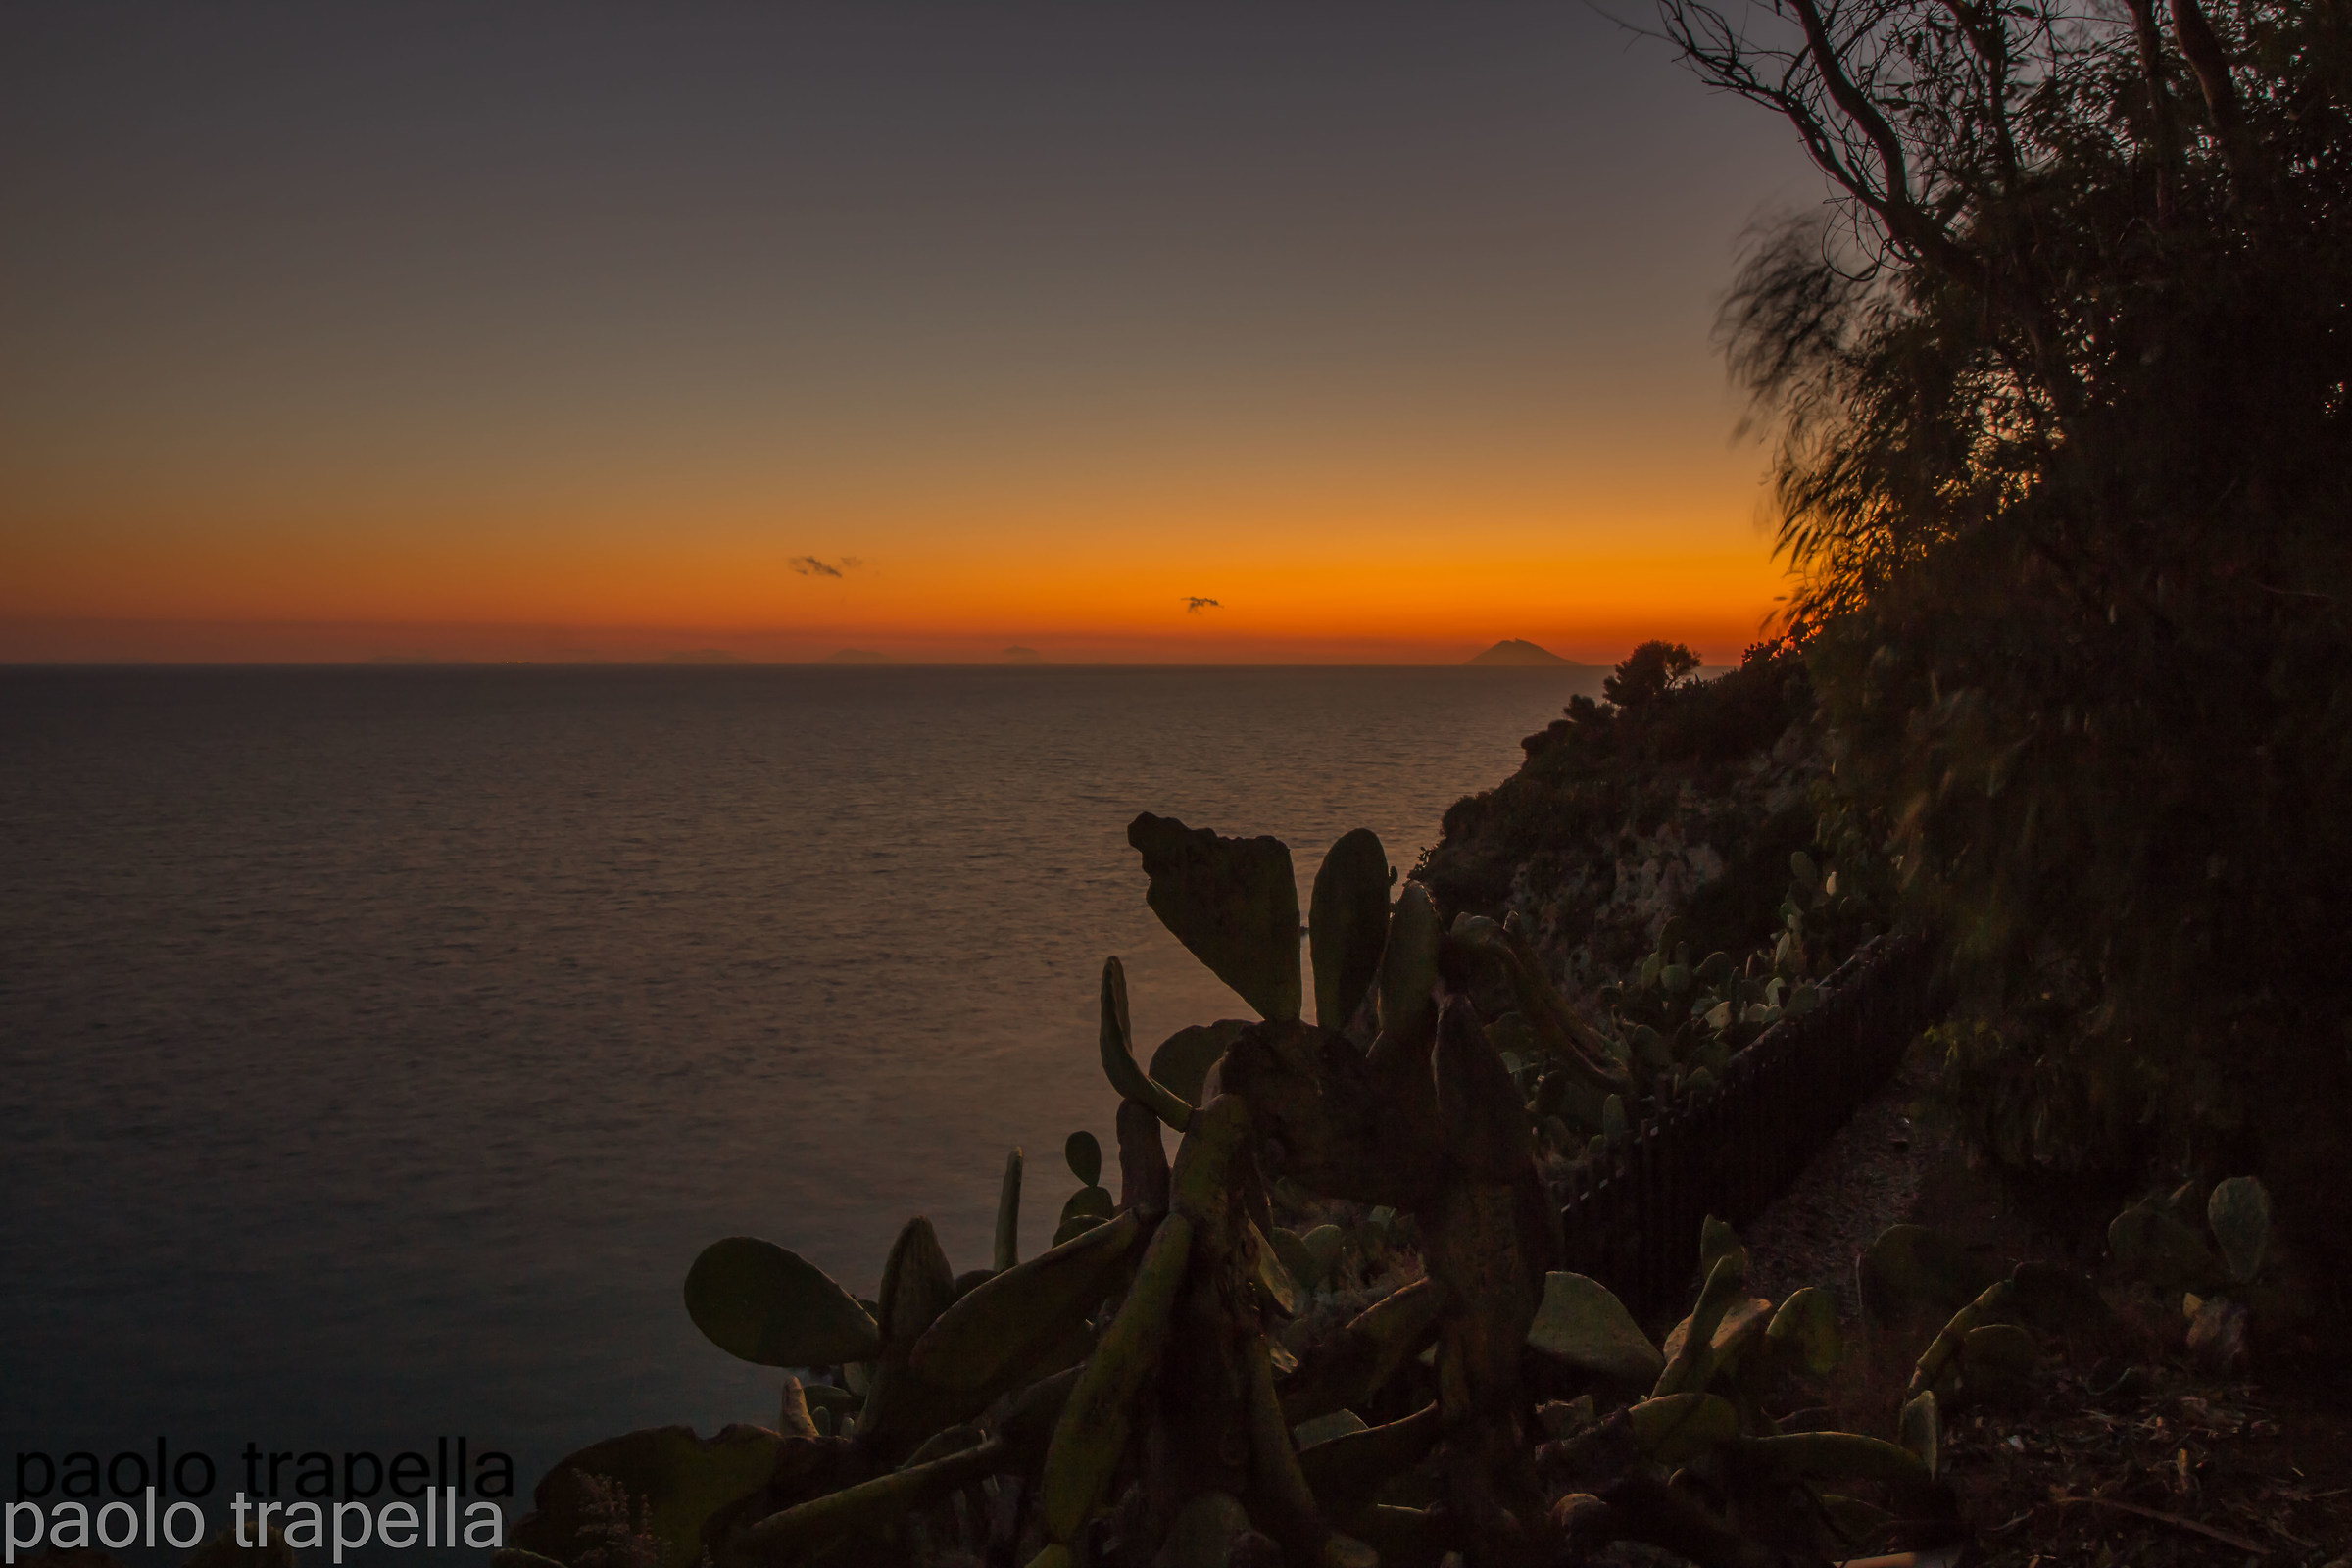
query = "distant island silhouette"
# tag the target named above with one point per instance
(861, 656)
(1017, 655)
(1517, 651)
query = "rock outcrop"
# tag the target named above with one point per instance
(1687, 802)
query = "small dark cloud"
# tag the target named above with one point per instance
(851, 562)
(1017, 655)
(810, 567)
(1193, 604)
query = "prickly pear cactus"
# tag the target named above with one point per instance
(1333, 1330)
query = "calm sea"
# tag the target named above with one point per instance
(378, 1047)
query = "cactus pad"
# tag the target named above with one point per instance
(1008, 1250)
(1915, 1271)
(1581, 1322)
(1003, 1329)
(1408, 963)
(1324, 1244)
(1117, 1044)
(1676, 1427)
(1347, 924)
(1090, 1202)
(2239, 1212)
(1095, 1425)
(2149, 1244)
(1291, 1250)
(1922, 1429)
(679, 1479)
(756, 1301)
(1180, 1063)
(1806, 1327)
(1234, 903)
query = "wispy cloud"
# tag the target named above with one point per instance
(816, 566)
(1193, 604)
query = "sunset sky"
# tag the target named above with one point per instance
(546, 331)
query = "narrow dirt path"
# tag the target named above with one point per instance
(1867, 1178)
(1886, 1166)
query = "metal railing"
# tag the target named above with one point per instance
(1631, 1211)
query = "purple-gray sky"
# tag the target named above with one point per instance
(445, 323)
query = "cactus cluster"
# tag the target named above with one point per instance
(1677, 1021)
(1700, 1466)
(1670, 1029)
(1993, 1324)
(1182, 1378)
(2224, 1270)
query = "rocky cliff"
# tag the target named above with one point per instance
(1685, 799)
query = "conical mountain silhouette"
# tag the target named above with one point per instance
(1517, 651)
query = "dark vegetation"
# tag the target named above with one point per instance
(2063, 468)
(1335, 1329)
(2063, 464)
(1672, 797)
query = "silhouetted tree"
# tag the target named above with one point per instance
(1649, 673)
(2064, 469)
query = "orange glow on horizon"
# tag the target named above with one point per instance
(1321, 589)
(1419, 558)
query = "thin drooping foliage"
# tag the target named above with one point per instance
(2064, 476)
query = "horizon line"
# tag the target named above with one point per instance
(780, 663)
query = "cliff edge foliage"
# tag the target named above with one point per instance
(2063, 461)
(1672, 799)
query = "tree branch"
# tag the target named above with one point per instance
(1907, 224)
(2164, 136)
(2203, 48)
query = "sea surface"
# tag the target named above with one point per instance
(378, 1047)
